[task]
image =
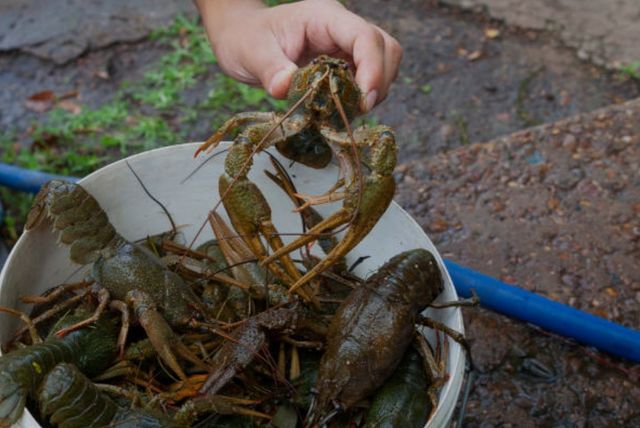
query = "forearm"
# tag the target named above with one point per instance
(217, 13)
(225, 6)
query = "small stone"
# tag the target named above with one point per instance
(497, 206)
(576, 128)
(409, 180)
(491, 33)
(568, 280)
(553, 203)
(569, 142)
(438, 226)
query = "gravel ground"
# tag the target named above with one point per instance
(556, 210)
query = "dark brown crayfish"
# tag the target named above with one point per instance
(372, 329)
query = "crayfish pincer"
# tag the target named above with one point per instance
(372, 330)
(123, 270)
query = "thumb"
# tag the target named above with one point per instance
(272, 67)
(280, 80)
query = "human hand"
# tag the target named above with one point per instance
(264, 46)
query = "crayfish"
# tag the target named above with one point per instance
(21, 371)
(372, 329)
(324, 100)
(122, 270)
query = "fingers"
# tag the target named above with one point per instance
(257, 59)
(375, 53)
(262, 46)
(393, 57)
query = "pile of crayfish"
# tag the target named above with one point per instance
(229, 334)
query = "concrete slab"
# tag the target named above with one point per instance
(555, 209)
(606, 32)
(61, 30)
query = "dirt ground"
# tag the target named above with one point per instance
(553, 209)
(456, 85)
(465, 79)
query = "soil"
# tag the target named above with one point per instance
(555, 210)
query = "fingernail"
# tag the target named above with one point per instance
(278, 79)
(370, 100)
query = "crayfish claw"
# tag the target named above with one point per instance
(162, 337)
(234, 356)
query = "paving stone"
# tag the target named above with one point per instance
(61, 30)
(606, 32)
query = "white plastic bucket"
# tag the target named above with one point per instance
(38, 263)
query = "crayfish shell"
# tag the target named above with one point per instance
(374, 326)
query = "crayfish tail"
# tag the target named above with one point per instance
(12, 402)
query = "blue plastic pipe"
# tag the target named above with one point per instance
(495, 295)
(26, 180)
(555, 317)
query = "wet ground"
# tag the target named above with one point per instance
(571, 188)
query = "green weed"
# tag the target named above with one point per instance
(151, 112)
(523, 93)
(632, 70)
(460, 123)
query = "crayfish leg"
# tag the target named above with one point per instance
(122, 307)
(236, 121)
(339, 218)
(26, 319)
(103, 299)
(455, 335)
(220, 404)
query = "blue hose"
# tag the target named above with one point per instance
(25, 180)
(555, 317)
(495, 295)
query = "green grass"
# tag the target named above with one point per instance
(151, 112)
(524, 89)
(632, 70)
(461, 125)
